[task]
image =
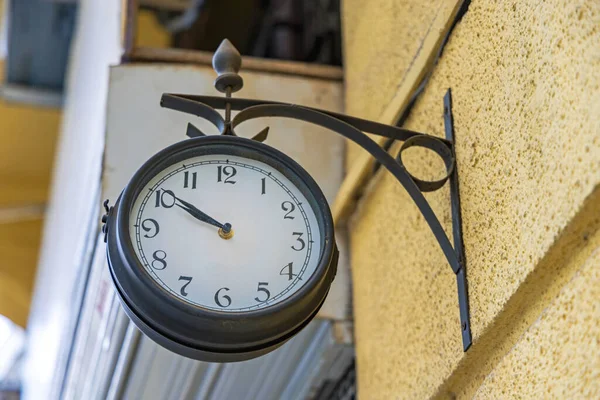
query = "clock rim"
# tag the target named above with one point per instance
(246, 330)
(210, 355)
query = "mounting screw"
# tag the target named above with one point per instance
(226, 62)
(105, 219)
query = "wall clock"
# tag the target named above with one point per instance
(222, 248)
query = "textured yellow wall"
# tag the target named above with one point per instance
(19, 245)
(149, 32)
(559, 355)
(27, 141)
(525, 78)
(384, 41)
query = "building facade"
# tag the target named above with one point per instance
(525, 79)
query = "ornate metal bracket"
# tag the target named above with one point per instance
(227, 62)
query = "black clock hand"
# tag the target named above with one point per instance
(225, 231)
(201, 216)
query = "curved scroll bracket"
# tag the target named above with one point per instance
(352, 128)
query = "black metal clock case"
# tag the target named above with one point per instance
(198, 332)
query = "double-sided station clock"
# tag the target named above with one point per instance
(221, 248)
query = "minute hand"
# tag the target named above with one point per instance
(199, 215)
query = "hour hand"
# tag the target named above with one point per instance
(201, 216)
(196, 213)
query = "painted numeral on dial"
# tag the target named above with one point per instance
(161, 201)
(224, 297)
(301, 243)
(188, 279)
(228, 172)
(149, 225)
(159, 261)
(262, 288)
(288, 270)
(186, 179)
(264, 186)
(289, 207)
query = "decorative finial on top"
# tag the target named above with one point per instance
(227, 61)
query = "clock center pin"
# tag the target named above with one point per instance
(226, 232)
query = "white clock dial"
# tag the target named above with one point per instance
(271, 251)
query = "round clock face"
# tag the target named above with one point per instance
(225, 233)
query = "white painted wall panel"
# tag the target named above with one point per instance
(70, 228)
